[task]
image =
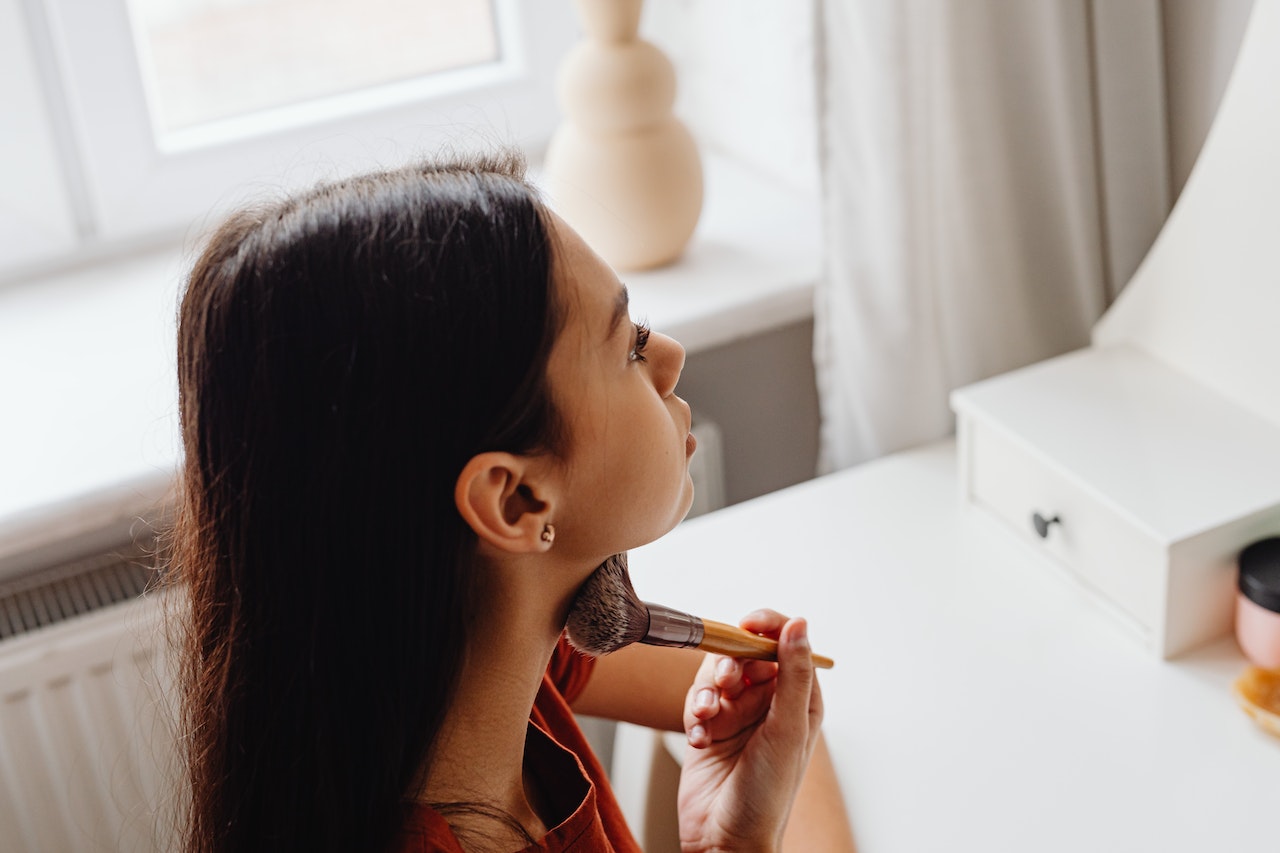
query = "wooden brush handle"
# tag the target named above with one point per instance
(728, 640)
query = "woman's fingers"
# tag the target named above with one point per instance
(706, 703)
(752, 726)
(816, 710)
(765, 622)
(759, 671)
(701, 703)
(798, 697)
(731, 677)
(722, 703)
(718, 705)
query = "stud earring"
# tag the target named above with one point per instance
(548, 534)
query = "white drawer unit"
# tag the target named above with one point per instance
(1158, 448)
(1145, 483)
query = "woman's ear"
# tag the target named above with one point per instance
(499, 497)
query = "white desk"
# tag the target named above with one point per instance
(979, 701)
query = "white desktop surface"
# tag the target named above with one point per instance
(980, 701)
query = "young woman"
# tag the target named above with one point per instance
(416, 417)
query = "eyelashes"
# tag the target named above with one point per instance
(641, 341)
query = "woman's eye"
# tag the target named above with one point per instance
(642, 340)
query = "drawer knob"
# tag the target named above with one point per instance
(1041, 524)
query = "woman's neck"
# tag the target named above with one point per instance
(479, 754)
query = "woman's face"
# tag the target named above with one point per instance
(626, 472)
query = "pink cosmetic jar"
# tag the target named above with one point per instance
(1258, 604)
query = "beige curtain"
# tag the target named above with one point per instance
(993, 171)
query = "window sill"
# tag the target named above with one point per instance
(90, 444)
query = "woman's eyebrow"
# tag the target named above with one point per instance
(620, 305)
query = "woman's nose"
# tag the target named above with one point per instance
(669, 362)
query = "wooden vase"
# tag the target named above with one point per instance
(621, 169)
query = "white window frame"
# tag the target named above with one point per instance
(36, 218)
(135, 186)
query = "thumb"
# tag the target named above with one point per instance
(795, 672)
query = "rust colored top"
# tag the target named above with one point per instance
(568, 774)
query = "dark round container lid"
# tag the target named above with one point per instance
(1260, 573)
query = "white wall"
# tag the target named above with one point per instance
(745, 79)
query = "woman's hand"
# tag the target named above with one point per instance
(752, 726)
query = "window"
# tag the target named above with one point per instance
(36, 219)
(293, 51)
(161, 113)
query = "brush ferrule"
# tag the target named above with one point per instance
(668, 627)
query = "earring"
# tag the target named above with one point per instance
(548, 534)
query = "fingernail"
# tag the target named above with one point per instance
(725, 667)
(697, 733)
(705, 699)
(800, 634)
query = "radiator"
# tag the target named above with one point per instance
(87, 761)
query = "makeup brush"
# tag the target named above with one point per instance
(607, 615)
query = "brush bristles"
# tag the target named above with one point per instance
(607, 615)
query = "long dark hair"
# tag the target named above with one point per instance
(341, 355)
